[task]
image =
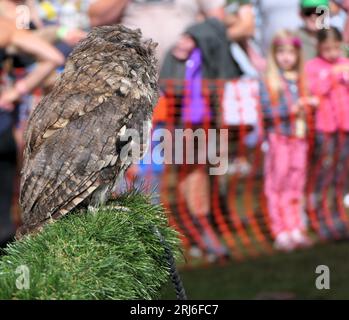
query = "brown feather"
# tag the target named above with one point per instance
(71, 154)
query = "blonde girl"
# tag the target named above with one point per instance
(283, 105)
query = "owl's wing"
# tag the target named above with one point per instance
(54, 113)
(84, 86)
(73, 162)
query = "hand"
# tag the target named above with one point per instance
(74, 36)
(345, 77)
(230, 20)
(340, 68)
(344, 4)
(311, 101)
(341, 72)
(183, 48)
(8, 98)
(295, 108)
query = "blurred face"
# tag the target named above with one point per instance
(286, 57)
(183, 48)
(310, 18)
(330, 50)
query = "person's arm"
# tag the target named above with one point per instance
(28, 42)
(346, 28)
(344, 4)
(103, 12)
(34, 14)
(49, 58)
(242, 25)
(6, 32)
(53, 34)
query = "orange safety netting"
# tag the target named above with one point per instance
(226, 215)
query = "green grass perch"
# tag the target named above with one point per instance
(112, 253)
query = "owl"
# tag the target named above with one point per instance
(75, 141)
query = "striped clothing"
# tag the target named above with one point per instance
(277, 118)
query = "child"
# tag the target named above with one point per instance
(283, 102)
(328, 78)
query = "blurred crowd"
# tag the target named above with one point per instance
(294, 50)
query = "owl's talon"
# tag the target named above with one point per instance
(120, 208)
(92, 209)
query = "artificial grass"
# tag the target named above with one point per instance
(107, 254)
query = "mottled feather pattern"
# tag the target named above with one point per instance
(109, 84)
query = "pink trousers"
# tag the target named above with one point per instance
(285, 175)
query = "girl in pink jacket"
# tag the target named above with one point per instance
(328, 79)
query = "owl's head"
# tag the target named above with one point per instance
(119, 61)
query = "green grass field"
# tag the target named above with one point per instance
(281, 275)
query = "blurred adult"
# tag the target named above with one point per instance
(216, 60)
(237, 30)
(240, 21)
(64, 37)
(48, 59)
(203, 52)
(338, 15)
(312, 17)
(344, 5)
(316, 15)
(162, 20)
(274, 15)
